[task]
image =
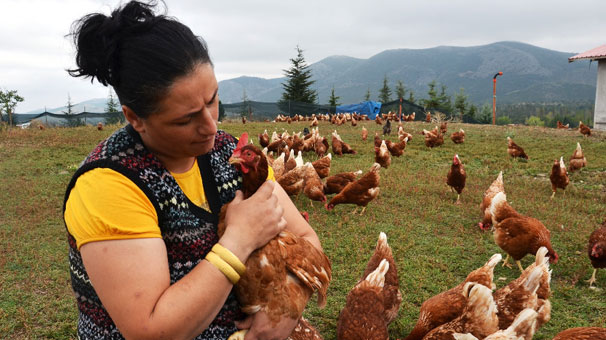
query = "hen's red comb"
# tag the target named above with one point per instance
(241, 143)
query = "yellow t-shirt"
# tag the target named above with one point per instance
(106, 205)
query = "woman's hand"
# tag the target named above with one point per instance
(253, 222)
(261, 328)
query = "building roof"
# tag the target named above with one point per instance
(595, 53)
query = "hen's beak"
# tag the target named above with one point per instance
(234, 159)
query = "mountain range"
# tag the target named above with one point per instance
(530, 74)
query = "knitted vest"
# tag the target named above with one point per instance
(188, 231)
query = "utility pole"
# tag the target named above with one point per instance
(494, 97)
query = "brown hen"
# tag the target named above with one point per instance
(392, 297)
(559, 176)
(359, 192)
(456, 177)
(281, 276)
(479, 318)
(363, 317)
(577, 160)
(523, 328)
(334, 184)
(517, 234)
(448, 305)
(493, 189)
(458, 137)
(582, 333)
(584, 129)
(514, 150)
(322, 166)
(596, 250)
(382, 155)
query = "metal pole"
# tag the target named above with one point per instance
(494, 97)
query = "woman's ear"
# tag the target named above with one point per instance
(133, 119)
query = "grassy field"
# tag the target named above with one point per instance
(435, 243)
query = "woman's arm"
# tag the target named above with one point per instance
(132, 278)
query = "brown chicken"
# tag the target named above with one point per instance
(344, 146)
(582, 333)
(392, 297)
(428, 117)
(448, 305)
(577, 160)
(596, 250)
(314, 122)
(377, 140)
(584, 129)
(277, 146)
(517, 296)
(278, 166)
(293, 181)
(322, 166)
(268, 284)
(304, 331)
(396, 149)
(99, 126)
(382, 155)
(433, 139)
(313, 187)
(354, 122)
(559, 176)
(334, 184)
(443, 127)
(403, 134)
(514, 150)
(264, 139)
(562, 126)
(359, 192)
(516, 234)
(364, 133)
(458, 137)
(321, 146)
(363, 317)
(456, 177)
(337, 145)
(493, 189)
(479, 318)
(523, 328)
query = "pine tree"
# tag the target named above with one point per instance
(114, 116)
(385, 92)
(433, 103)
(367, 97)
(71, 121)
(221, 111)
(333, 100)
(400, 90)
(245, 105)
(461, 103)
(298, 83)
(411, 96)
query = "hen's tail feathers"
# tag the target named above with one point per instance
(377, 277)
(494, 259)
(466, 336)
(524, 324)
(479, 300)
(534, 280)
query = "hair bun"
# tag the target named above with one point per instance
(97, 38)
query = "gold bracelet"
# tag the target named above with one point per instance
(223, 266)
(230, 258)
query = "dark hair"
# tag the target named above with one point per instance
(138, 53)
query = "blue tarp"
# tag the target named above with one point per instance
(369, 108)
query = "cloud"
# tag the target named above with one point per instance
(257, 38)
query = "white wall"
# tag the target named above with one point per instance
(599, 115)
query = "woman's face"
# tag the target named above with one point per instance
(185, 123)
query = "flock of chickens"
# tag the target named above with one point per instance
(282, 275)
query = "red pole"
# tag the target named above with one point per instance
(400, 113)
(494, 97)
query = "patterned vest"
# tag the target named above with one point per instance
(188, 231)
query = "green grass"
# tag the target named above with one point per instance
(435, 243)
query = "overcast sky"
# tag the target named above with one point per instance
(257, 38)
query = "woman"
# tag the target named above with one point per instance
(142, 209)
